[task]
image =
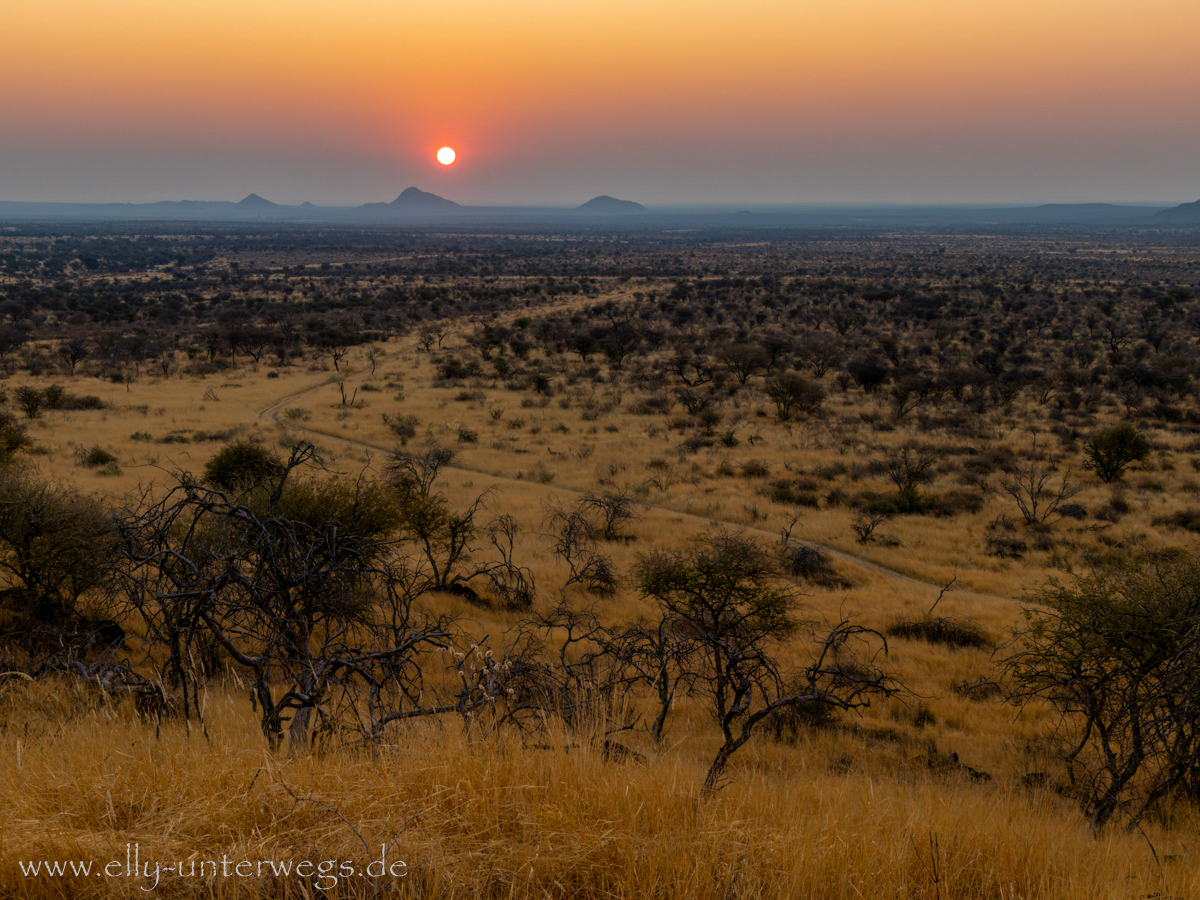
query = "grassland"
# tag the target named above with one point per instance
(944, 791)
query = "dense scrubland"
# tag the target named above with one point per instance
(745, 563)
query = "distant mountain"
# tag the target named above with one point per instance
(1184, 212)
(255, 202)
(1076, 208)
(418, 201)
(605, 205)
(417, 207)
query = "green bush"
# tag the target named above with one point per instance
(1188, 519)
(755, 469)
(404, 427)
(1116, 653)
(947, 631)
(793, 493)
(55, 394)
(98, 456)
(239, 465)
(1110, 451)
(12, 437)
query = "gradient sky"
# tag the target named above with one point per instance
(662, 101)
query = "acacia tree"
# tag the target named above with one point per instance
(744, 361)
(619, 341)
(821, 352)
(723, 591)
(868, 372)
(303, 584)
(442, 533)
(54, 548)
(1111, 450)
(791, 391)
(73, 353)
(1116, 653)
(240, 465)
(30, 399)
(691, 369)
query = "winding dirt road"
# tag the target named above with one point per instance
(271, 413)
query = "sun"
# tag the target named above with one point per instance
(446, 155)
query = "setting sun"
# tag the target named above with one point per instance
(446, 155)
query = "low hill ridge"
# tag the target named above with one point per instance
(1189, 212)
(606, 205)
(414, 198)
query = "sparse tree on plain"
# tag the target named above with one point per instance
(1116, 652)
(908, 467)
(724, 592)
(791, 392)
(30, 399)
(1112, 450)
(73, 352)
(1039, 502)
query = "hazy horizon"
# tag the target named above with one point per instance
(879, 102)
(676, 206)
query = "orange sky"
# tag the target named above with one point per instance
(553, 102)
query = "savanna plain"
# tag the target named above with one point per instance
(600, 563)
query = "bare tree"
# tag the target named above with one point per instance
(907, 467)
(561, 664)
(1040, 503)
(340, 384)
(611, 511)
(660, 656)
(512, 584)
(374, 354)
(864, 526)
(575, 542)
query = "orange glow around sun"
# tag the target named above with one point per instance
(935, 98)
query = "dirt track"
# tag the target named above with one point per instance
(272, 412)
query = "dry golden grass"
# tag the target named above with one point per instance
(866, 809)
(494, 819)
